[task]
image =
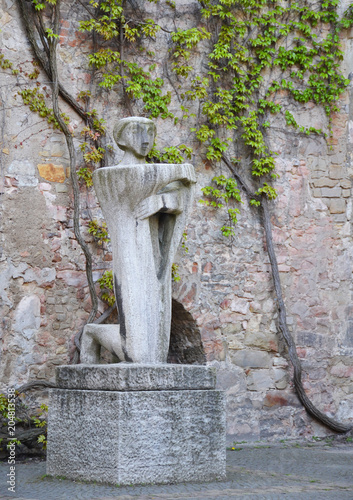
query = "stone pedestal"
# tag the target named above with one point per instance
(136, 424)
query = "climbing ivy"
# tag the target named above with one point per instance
(111, 24)
(106, 285)
(36, 102)
(260, 54)
(220, 197)
(99, 231)
(172, 154)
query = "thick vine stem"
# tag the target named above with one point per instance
(248, 191)
(35, 384)
(72, 153)
(47, 59)
(282, 323)
(126, 97)
(41, 56)
(282, 314)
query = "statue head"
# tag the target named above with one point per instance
(135, 135)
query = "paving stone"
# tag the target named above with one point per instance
(294, 471)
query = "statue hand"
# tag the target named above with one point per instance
(148, 207)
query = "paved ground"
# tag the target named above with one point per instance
(293, 471)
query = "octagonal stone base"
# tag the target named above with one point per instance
(138, 436)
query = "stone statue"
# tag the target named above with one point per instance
(145, 207)
(163, 423)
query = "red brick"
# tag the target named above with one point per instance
(342, 371)
(225, 304)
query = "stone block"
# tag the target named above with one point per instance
(331, 192)
(22, 167)
(259, 380)
(51, 173)
(137, 437)
(336, 172)
(321, 165)
(27, 316)
(251, 359)
(240, 306)
(61, 188)
(130, 377)
(346, 183)
(324, 182)
(24, 172)
(337, 206)
(327, 201)
(280, 398)
(280, 377)
(263, 340)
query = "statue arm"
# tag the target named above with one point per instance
(169, 203)
(170, 183)
(168, 174)
(149, 206)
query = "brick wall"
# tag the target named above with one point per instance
(225, 293)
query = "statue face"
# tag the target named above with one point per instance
(138, 138)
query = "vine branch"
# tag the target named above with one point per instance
(28, 20)
(282, 313)
(282, 323)
(72, 153)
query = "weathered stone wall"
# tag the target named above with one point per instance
(225, 294)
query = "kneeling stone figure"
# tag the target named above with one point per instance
(146, 207)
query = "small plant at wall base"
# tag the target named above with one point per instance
(5, 442)
(255, 52)
(30, 429)
(41, 423)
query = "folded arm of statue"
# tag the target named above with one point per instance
(168, 202)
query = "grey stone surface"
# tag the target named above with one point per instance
(95, 337)
(302, 471)
(145, 207)
(251, 359)
(137, 437)
(131, 377)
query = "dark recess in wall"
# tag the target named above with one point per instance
(185, 338)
